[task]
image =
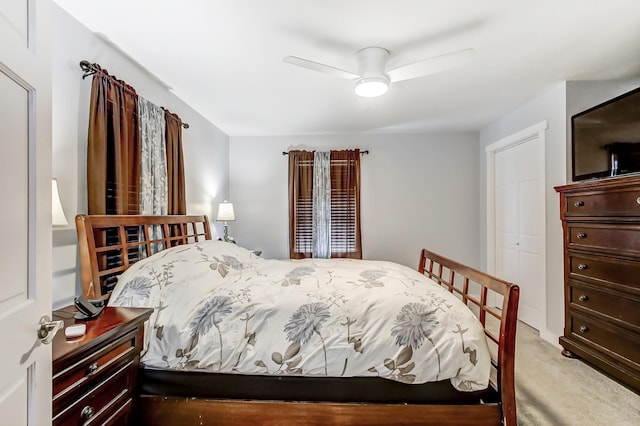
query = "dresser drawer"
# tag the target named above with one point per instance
(612, 203)
(614, 272)
(606, 337)
(622, 308)
(90, 370)
(619, 239)
(109, 399)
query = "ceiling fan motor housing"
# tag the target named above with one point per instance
(373, 80)
(372, 62)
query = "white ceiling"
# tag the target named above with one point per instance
(224, 58)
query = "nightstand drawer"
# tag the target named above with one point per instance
(110, 398)
(92, 369)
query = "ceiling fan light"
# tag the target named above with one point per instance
(370, 87)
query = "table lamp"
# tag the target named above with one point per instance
(225, 213)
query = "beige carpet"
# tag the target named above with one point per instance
(554, 390)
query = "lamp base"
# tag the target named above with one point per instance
(226, 237)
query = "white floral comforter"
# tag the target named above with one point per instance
(220, 308)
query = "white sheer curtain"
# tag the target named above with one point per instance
(153, 162)
(322, 204)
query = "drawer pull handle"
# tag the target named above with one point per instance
(583, 267)
(86, 413)
(638, 200)
(583, 298)
(584, 329)
(579, 203)
(93, 368)
(582, 235)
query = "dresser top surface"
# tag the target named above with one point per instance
(600, 184)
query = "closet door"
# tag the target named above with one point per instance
(519, 212)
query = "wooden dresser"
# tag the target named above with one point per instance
(601, 222)
(94, 376)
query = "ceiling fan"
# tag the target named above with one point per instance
(373, 79)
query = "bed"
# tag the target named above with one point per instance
(218, 349)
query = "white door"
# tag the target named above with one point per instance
(520, 225)
(25, 195)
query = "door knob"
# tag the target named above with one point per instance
(48, 329)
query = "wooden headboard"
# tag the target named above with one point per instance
(109, 244)
(481, 292)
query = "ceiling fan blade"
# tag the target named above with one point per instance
(316, 66)
(432, 65)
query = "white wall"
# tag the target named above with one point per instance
(205, 147)
(556, 106)
(417, 191)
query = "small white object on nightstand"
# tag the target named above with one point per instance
(75, 330)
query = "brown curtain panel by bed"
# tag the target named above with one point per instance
(300, 204)
(175, 165)
(345, 204)
(113, 151)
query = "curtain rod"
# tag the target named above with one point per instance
(361, 152)
(92, 68)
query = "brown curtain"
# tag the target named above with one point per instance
(113, 148)
(346, 239)
(300, 204)
(175, 165)
(345, 204)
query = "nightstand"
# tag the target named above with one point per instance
(94, 376)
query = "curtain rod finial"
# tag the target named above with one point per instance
(88, 68)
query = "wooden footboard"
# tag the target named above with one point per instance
(158, 410)
(481, 292)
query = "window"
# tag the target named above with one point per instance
(345, 204)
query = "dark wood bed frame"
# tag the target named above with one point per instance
(110, 244)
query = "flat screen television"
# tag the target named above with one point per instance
(605, 139)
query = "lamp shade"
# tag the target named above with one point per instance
(225, 211)
(57, 214)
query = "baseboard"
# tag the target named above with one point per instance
(550, 337)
